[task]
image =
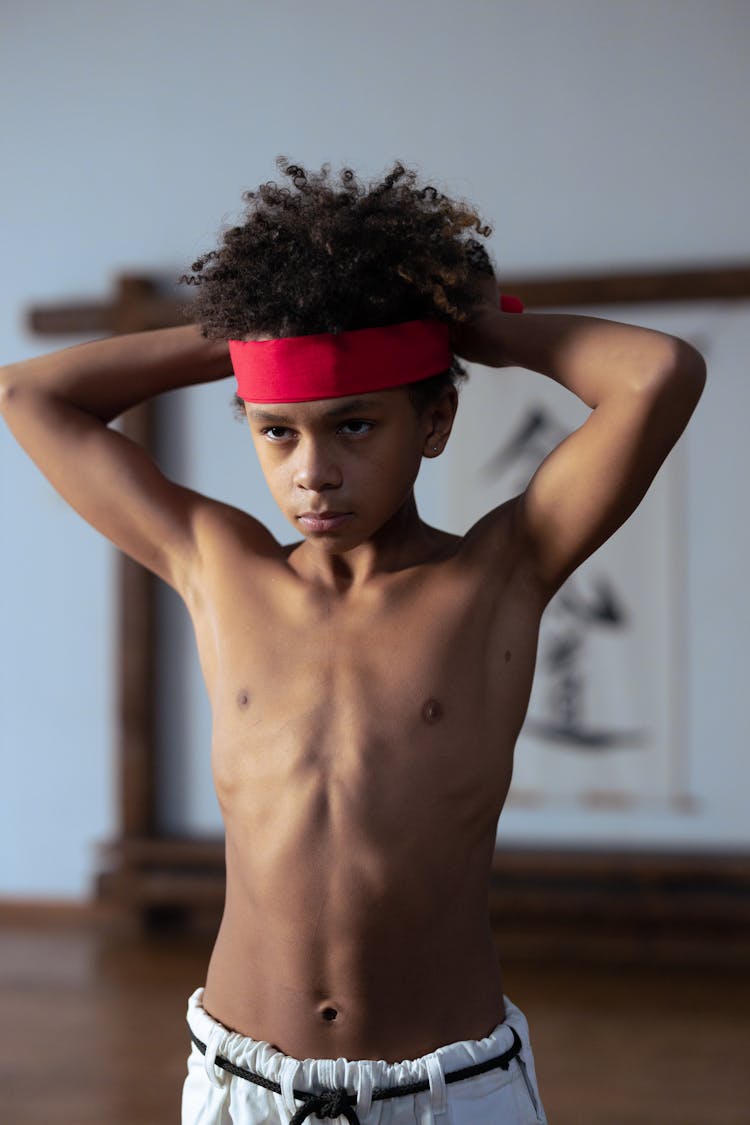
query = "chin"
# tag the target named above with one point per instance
(334, 543)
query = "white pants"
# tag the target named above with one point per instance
(214, 1096)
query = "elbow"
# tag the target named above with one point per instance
(5, 388)
(674, 392)
(10, 386)
(682, 370)
(690, 368)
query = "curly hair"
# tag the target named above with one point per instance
(311, 259)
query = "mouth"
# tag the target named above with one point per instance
(323, 521)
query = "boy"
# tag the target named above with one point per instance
(368, 681)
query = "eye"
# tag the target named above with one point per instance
(356, 427)
(276, 433)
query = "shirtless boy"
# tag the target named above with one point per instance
(367, 682)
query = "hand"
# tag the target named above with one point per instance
(477, 339)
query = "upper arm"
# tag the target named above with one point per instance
(589, 485)
(116, 486)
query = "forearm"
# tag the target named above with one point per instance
(107, 377)
(590, 356)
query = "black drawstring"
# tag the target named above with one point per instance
(340, 1103)
(331, 1103)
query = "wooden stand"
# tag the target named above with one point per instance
(617, 906)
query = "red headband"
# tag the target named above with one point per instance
(335, 365)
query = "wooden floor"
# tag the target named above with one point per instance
(93, 1032)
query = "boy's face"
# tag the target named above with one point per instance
(340, 468)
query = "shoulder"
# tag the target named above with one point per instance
(496, 547)
(227, 540)
(493, 537)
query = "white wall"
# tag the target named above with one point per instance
(590, 134)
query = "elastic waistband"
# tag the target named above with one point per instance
(333, 1087)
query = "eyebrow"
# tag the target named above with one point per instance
(355, 406)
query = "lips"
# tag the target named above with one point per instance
(323, 521)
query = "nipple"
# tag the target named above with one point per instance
(432, 712)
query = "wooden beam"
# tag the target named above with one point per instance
(731, 283)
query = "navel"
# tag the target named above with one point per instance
(432, 712)
(329, 1013)
(243, 699)
(507, 655)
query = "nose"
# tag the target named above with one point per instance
(315, 467)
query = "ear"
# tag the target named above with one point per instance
(438, 422)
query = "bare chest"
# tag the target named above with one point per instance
(419, 686)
